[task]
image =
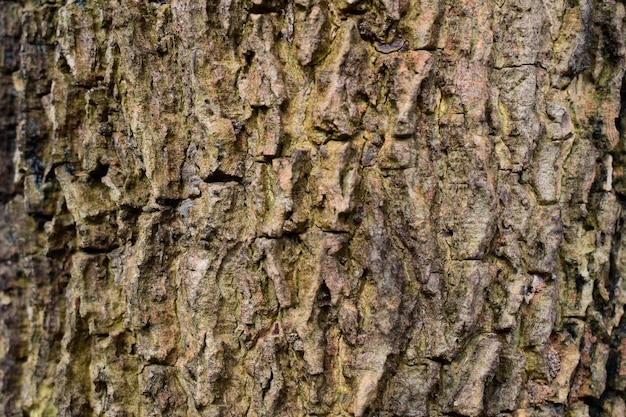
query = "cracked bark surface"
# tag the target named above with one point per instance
(307, 207)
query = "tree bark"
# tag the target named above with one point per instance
(310, 207)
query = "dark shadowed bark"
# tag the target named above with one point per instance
(308, 207)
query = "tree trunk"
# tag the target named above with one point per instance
(309, 207)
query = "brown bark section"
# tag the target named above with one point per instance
(304, 208)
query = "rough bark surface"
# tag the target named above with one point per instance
(307, 207)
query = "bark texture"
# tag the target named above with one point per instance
(308, 207)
